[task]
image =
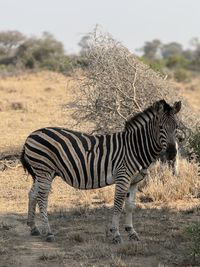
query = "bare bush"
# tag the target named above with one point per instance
(117, 85)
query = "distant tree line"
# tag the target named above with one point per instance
(19, 52)
(172, 58)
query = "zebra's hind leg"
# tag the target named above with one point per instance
(129, 207)
(44, 186)
(31, 209)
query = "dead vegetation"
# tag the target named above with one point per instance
(81, 238)
(117, 85)
(80, 219)
(161, 185)
(26, 105)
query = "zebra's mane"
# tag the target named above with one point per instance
(150, 110)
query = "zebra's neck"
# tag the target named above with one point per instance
(142, 141)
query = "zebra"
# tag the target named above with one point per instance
(93, 161)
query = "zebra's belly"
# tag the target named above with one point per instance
(92, 182)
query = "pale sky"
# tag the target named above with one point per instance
(131, 22)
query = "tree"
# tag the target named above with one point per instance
(171, 49)
(151, 49)
(195, 63)
(10, 41)
(84, 44)
(176, 61)
(41, 52)
(35, 52)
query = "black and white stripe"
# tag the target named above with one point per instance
(83, 161)
(94, 161)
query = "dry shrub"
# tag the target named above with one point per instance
(117, 85)
(17, 106)
(161, 185)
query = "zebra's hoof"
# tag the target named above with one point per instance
(134, 236)
(50, 238)
(35, 231)
(117, 240)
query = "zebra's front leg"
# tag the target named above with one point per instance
(31, 209)
(129, 207)
(120, 194)
(42, 199)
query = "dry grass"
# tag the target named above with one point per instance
(56, 257)
(79, 218)
(163, 186)
(191, 92)
(26, 105)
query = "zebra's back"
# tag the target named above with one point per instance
(83, 161)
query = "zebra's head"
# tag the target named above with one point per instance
(167, 126)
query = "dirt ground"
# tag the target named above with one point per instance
(79, 219)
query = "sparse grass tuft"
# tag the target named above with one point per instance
(17, 106)
(94, 251)
(132, 249)
(117, 262)
(78, 237)
(57, 256)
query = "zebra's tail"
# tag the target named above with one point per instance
(26, 165)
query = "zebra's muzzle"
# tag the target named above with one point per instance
(171, 152)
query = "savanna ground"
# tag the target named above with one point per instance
(79, 219)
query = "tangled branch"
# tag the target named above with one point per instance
(117, 85)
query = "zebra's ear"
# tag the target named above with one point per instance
(159, 106)
(177, 107)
